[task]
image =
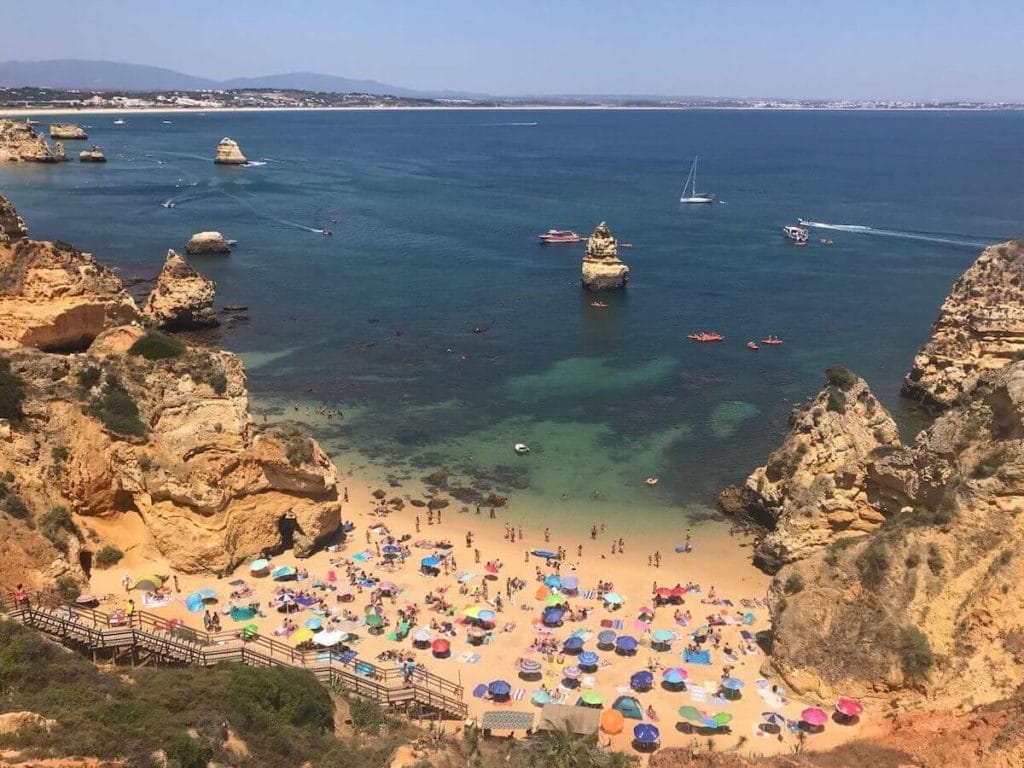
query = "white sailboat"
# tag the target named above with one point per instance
(694, 196)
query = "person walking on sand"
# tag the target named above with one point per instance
(476, 555)
(593, 533)
(547, 535)
(417, 524)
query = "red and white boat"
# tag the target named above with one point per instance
(772, 341)
(752, 345)
(555, 236)
(706, 336)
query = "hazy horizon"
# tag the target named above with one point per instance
(789, 49)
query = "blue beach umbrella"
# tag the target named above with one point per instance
(733, 683)
(663, 636)
(206, 593)
(552, 616)
(613, 598)
(674, 676)
(606, 637)
(486, 617)
(645, 733)
(570, 583)
(625, 644)
(390, 550)
(540, 698)
(314, 623)
(430, 562)
(499, 689)
(641, 681)
(553, 580)
(194, 603)
(573, 644)
(588, 659)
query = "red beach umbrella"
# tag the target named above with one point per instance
(814, 716)
(440, 647)
(663, 592)
(849, 707)
(678, 592)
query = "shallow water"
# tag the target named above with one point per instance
(435, 216)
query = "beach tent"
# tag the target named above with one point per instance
(283, 573)
(242, 612)
(629, 707)
(149, 583)
(259, 566)
(329, 639)
(611, 721)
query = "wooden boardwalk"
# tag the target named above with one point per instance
(149, 639)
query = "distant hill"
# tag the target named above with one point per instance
(117, 76)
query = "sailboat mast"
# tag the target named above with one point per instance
(694, 176)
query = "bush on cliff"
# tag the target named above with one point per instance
(915, 652)
(108, 555)
(836, 401)
(841, 377)
(56, 525)
(117, 411)
(157, 346)
(12, 391)
(297, 445)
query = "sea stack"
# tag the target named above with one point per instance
(182, 299)
(202, 243)
(20, 143)
(228, 153)
(65, 131)
(602, 269)
(979, 330)
(93, 155)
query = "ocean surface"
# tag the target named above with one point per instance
(445, 333)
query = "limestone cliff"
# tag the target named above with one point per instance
(181, 299)
(979, 330)
(228, 153)
(66, 131)
(602, 269)
(930, 603)
(20, 142)
(12, 226)
(54, 297)
(814, 488)
(137, 424)
(207, 242)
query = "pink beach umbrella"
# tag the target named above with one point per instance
(849, 707)
(814, 716)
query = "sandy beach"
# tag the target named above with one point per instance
(730, 590)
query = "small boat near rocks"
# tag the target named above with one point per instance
(598, 305)
(797, 234)
(752, 345)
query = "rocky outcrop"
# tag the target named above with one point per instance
(93, 155)
(12, 226)
(206, 243)
(602, 269)
(20, 142)
(71, 131)
(979, 331)
(929, 604)
(815, 488)
(228, 153)
(55, 297)
(181, 299)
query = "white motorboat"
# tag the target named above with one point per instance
(797, 234)
(521, 448)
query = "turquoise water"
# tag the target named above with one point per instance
(435, 217)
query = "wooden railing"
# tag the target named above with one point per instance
(172, 642)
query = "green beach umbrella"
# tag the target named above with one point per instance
(592, 697)
(555, 600)
(722, 718)
(250, 631)
(690, 713)
(375, 620)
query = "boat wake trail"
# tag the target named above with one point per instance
(270, 216)
(926, 237)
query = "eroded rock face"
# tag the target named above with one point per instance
(815, 486)
(181, 299)
(19, 142)
(979, 330)
(930, 603)
(71, 131)
(12, 226)
(602, 269)
(207, 242)
(54, 297)
(228, 153)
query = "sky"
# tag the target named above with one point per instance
(858, 49)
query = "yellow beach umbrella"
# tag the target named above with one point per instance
(301, 636)
(472, 612)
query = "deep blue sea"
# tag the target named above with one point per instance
(435, 216)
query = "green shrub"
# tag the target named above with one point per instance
(913, 560)
(367, 716)
(107, 556)
(60, 454)
(56, 525)
(280, 696)
(183, 751)
(920, 517)
(16, 507)
(218, 381)
(89, 377)
(873, 564)
(157, 346)
(67, 588)
(117, 411)
(841, 377)
(297, 445)
(12, 392)
(836, 401)
(794, 584)
(915, 653)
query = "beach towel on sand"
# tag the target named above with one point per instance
(697, 693)
(697, 657)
